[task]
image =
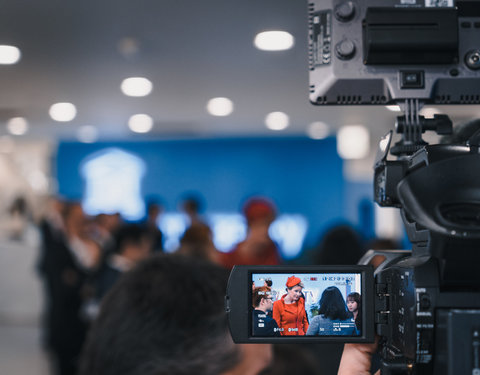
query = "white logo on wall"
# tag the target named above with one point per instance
(112, 184)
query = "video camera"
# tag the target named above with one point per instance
(424, 303)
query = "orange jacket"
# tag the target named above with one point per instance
(291, 317)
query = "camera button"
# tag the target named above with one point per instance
(425, 302)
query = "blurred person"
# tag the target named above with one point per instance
(84, 248)
(68, 256)
(133, 243)
(258, 247)
(191, 205)
(289, 311)
(332, 312)
(103, 229)
(263, 323)
(354, 305)
(341, 244)
(19, 218)
(52, 229)
(154, 210)
(197, 241)
(166, 316)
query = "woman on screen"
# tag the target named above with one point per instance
(289, 311)
(354, 305)
(333, 317)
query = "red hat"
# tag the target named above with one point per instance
(259, 208)
(292, 281)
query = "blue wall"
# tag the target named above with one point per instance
(300, 175)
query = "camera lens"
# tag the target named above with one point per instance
(472, 59)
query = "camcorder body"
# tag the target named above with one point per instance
(423, 303)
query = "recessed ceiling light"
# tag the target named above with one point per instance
(277, 121)
(140, 123)
(63, 112)
(274, 41)
(17, 126)
(87, 134)
(136, 86)
(318, 130)
(9, 54)
(220, 106)
(353, 142)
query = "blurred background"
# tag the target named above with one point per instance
(116, 105)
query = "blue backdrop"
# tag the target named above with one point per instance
(300, 175)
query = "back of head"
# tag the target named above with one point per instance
(197, 241)
(332, 304)
(259, 209)
(164, 317)
(259, 293)
(192, 204)
(130, 235)
(340, 245)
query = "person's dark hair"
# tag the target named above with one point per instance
(197, 242)
(198, 235)
(153, 206)
(341, 244)
(259, 293)
(164, 317)
(356, 297)
(129, 234)
(332, 304)
(19, 205)
(192, 203)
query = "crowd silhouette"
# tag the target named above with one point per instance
(83, 257)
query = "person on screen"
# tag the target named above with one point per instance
(289, 311)
(263, 323)
(354, 305)
(333, 317)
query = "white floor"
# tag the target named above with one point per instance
(20, 351)
(21, 302)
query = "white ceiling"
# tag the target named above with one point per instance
(190, 50)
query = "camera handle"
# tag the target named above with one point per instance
(389, 257)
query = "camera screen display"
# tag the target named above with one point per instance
(306, 304)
